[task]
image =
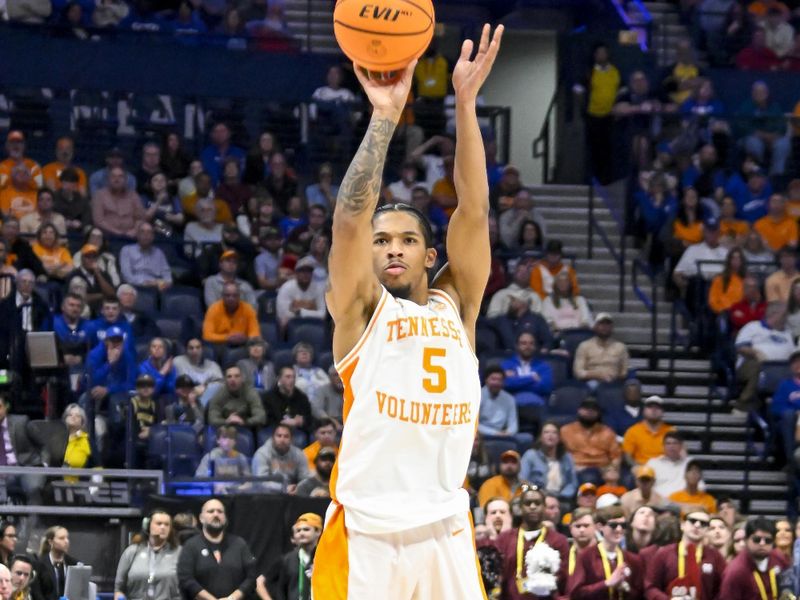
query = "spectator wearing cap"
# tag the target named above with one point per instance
(544, 271)
(71, 202)
(549, 465)
(301, 296)
(185, 410)
(111, 370)
(644, 493)
(286, 404)
(205, 230)
(98, 282)
(256, 369)
(317, 485)
(645, 439)
(143, 406)
(99, 179)
(592, 444)
(709, 252)
(110, 317)
(528, 377)
(64, 156)
(670, 467)
(586, 497)
(621, 419)
(268, 261)
(205, 372)
(290, 577)
(329, 400)
(116, 208)
(229, 320)
(691, 497)
(505, 301)
(228, 267)
(777, 228)
(281, 461)
(236, 403)
(778, 285)
(786, 404)
(158, 365)
(15, 147)
(511, 221)
(143, 263)
(759, 341)
(324, 437)
(601, 358)
(687, 563)
(506, 484)
(498, 411)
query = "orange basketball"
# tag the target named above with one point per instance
(383, 35)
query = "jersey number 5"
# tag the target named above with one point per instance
(438, 383)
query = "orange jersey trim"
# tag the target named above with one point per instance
(475, 550)
(331, 563)
(347, 376)
(342, 364)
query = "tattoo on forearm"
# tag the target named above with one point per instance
(362, 183)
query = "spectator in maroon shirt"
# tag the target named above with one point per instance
(231, 189)
(757, 56)
(751, 308)
(753, 572)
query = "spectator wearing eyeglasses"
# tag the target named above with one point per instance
(687, 564)
(754, 572)
(607, 569)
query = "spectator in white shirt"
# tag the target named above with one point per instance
(670, 467)
(759, 341)
(518, 291)
(301, 296)
(498, 412)
(205, 230)
(708, 250)
(401, 190)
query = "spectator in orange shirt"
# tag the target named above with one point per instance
(543, 273)
(777, 229)
(324, 437)
(15, 146)
(230, 321)
(691, 497)
(443, 192)
(56, 259)
(506, 485)
(18, 198)
(645, 440)
(592, 444)
(732, 231)
(687, 228)
(65, 153)
(727, 288)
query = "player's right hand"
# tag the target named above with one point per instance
(388, 99)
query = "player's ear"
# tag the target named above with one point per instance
(430, 258)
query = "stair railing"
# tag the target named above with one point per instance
(617, 253)
(639, 267)
(541, 145)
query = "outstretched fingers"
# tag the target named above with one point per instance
(466, 50)
(484, 44)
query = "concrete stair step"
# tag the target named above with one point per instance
(560, 190)
(736, 476)
(768, 507)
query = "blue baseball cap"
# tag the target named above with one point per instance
(114, 332)
(711, 223)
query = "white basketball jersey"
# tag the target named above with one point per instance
(411, 404)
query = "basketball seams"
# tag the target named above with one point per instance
(381, 33)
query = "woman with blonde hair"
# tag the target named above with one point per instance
(54, 559)
(563, 309)
(78, 452)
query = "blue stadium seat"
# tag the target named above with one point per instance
(311, 331)
(772, 373)
(231, 356)
(171, 328)
(610, 397)
(495, 446)
(486, 340)
(269, 331)
(572, 338)
(175, 448)
(282, 358)
(564, 402)
(182, 302)
(266, 306)
(146, 300)
(324, 360)
(489, 359)
(560, 367)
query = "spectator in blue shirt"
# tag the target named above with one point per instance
(547, 456)
(158, 365)
(705, 175)
(751, 191)
(527, 374)
(110, 316)
(72, 331)
(498, 413)
(214, 155)
(786, 403)
(621, 418)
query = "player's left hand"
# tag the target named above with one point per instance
(469, 75)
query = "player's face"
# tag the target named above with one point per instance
(399, 256)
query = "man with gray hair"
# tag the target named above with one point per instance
(757, 342)
(21, 312)
(5, 583)
(144, 263)
(205, 230)
(328, 402)
(142, 325)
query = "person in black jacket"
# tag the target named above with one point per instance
(20, 251)
(216, 564)
(51, 570)
(290, 577)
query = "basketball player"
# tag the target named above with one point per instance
(399, 527)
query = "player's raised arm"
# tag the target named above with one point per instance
(468, 251)
(353, 288)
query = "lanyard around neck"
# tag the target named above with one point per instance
(698, 555)
(521, 553)
(607, 567)
(773, 583)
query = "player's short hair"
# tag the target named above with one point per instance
(427, 231)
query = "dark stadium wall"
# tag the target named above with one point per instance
(133, 65)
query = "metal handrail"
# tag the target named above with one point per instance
(541, 144)
(650, 302)
(594, 226)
